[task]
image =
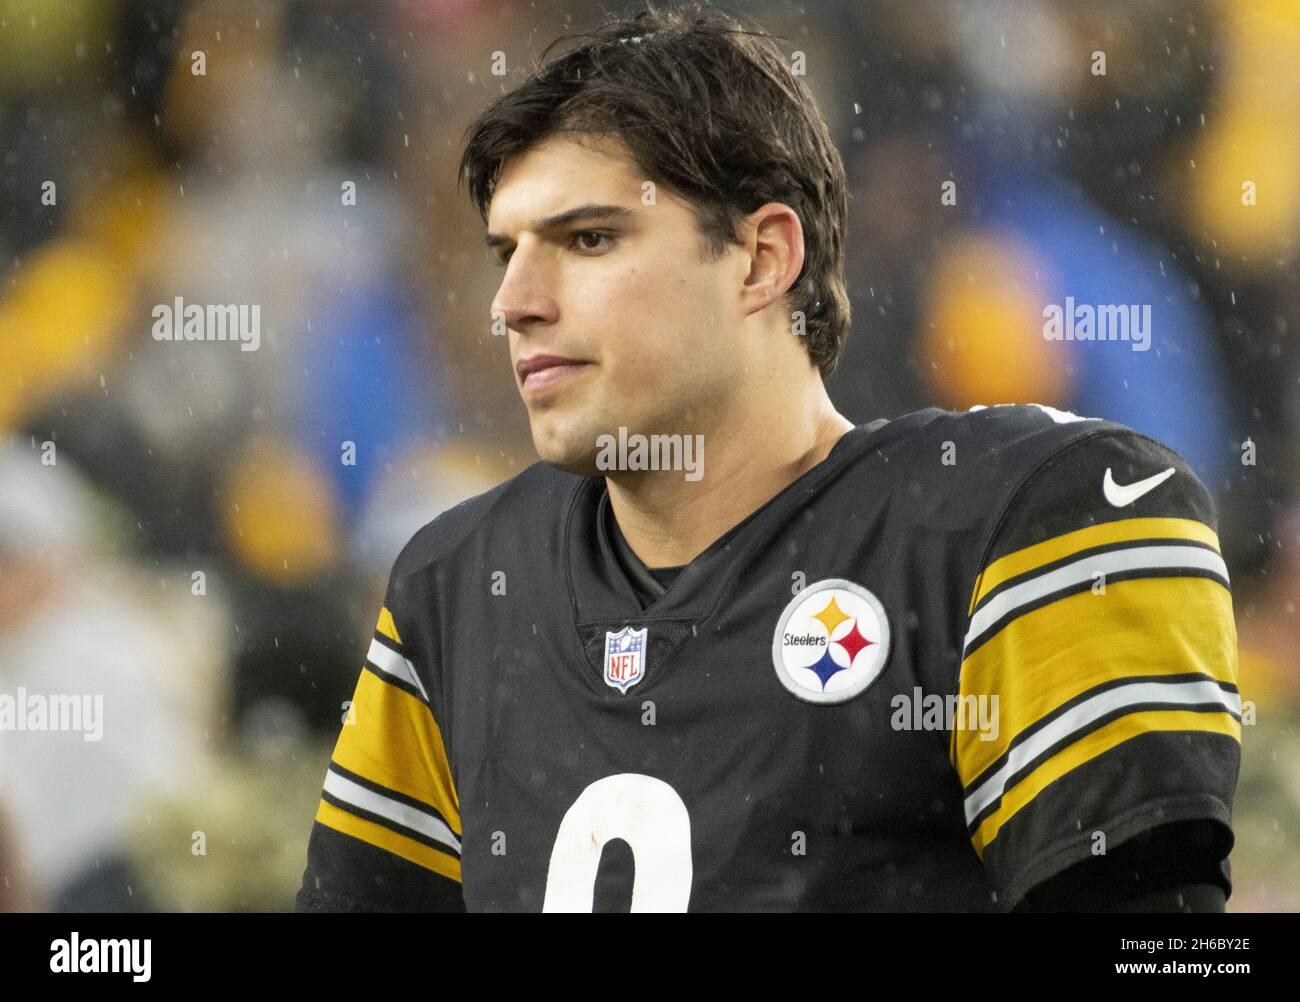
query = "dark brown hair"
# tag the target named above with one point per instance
(707, 107)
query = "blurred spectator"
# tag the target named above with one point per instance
(142, 663)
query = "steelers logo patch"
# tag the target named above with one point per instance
(832, 641)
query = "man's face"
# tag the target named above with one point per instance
(615, 318)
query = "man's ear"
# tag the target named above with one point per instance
(774, 242)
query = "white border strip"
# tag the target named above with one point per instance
(1088, 712)
(357, 795)
(391, 663)
(1084, 570)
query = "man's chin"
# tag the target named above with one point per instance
(568, 453)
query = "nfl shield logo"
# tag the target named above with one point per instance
(625, 658)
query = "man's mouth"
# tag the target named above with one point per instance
(538, 373)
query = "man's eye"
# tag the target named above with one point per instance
(502, 259)
(582, 239)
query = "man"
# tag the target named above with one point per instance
(953, 661)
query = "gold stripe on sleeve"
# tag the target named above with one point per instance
(388, 840)
(395, 742)
(1044, 658)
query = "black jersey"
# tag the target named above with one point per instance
(963, 653)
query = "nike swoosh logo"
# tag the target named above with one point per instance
(1125, 494)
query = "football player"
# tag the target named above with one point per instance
(721, 649)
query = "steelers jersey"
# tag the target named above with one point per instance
(963, 653)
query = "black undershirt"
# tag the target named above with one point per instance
(648, 582)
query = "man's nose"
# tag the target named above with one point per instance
(525, 297)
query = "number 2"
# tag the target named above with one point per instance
(650, 817)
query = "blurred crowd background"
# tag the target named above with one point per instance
(180, 531)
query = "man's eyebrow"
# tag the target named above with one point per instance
(578, 214)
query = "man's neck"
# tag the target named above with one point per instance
(668, 520)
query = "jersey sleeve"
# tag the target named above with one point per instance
(1100, 634)
(387, 833)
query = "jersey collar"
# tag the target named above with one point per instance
(599, 589)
